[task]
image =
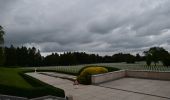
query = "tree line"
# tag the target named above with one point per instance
(1, 45)
(23, 56)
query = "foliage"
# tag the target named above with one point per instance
(166, 60)
(85, 75)
(1, 35)
(149, 59)
(128, 58)
(110, 69)
(15, 82)
(157, 54)
(51, 60)
(23, 56)
(2, 57)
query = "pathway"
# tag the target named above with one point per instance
(91, 92)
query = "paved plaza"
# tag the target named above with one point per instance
(143, 86)
(122, 89)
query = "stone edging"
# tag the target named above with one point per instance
(8, 97)
(100, 78)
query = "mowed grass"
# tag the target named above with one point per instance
(73, 70)
(14, 82)
(124, 66)
(140, 66)
(11, 77)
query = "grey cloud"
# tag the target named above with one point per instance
(154, 21)
(85, 25)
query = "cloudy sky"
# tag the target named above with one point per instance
(103, 26)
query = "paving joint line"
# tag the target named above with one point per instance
(134, 92)
(57, 76)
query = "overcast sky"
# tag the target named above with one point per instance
(86, 25)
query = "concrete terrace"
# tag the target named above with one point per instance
(122, 89)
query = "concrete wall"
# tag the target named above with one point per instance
(48, 98)
(8, 97)
(99, 78)
(127, 73)
(149, 74)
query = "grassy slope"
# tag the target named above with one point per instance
(12, 83)
(10, 77)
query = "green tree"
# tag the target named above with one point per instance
(148, 59)
(166, 60)
(138, 57)
(2, 32)
(129, 58)
(156, 54)
(1, 35)
(10, 56)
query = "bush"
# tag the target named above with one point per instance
(85, 75)
(110, 69)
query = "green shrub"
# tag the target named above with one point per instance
(85, 75)
(110, 69)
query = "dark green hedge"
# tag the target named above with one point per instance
(111, 69)
(38, 89)
(32, 81)
(31, 92)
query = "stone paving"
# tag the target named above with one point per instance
(143, 86)
(59, 75)
(114, 90)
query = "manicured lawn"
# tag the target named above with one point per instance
(10, 77)
(13, 81)
(74, 70)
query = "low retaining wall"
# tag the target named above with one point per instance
(100, 78)
(149, 74)
(8, 97)
(48, 98)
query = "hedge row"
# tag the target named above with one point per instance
(110, 69)
(38, 89)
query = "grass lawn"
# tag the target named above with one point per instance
(72, 70)
(13, 81)
(10, 77)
